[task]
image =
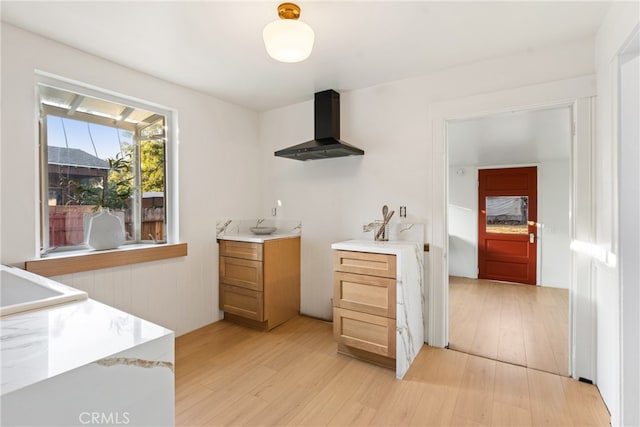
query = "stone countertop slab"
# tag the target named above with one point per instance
(41, 344)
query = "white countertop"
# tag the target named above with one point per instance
(255, 238)
(37, 345)
(389, 247)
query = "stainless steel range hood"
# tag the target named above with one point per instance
(326, 142)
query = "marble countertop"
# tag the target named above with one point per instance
(255, 238)
(40, 344)
(240, 230)
(388, 247)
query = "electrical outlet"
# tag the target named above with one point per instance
(403, 211)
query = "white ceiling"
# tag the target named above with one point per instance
(216, 46)
(510, 138)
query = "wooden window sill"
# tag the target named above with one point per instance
(74, 262)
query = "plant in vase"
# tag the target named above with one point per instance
(104, 228)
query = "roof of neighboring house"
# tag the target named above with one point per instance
(75, 157)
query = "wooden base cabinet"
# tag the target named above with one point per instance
(375, 334)
(260, 282)
(364, 300)
(242, 302)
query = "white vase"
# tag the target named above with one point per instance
(105, 230)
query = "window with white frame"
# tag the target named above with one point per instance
(101, 153)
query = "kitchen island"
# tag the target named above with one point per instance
(378, 301)
(85, 363)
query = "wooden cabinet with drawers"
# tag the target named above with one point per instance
(364, 306)
(260, 282)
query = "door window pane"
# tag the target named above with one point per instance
(507, 214)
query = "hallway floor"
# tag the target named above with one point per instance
(519, 324)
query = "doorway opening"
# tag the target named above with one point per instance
(509, 228)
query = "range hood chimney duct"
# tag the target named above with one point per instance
(326, 143)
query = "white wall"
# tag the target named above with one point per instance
(554, 238)
(463, 221)
(630, 236)
(218, 168)
(614, 32)
(554, 256)
(392, 123)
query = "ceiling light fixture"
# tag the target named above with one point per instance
(287, 39)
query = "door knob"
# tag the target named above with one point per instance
(532, 238)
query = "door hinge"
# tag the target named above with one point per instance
(573, 128)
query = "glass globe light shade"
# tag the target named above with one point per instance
(288, 40)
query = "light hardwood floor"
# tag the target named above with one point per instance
(520, 324)
(230, 375)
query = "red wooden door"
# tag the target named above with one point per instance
(507, 217)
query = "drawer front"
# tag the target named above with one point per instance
(381, 265)
(245, 250)
(242, 302)
(375, 334)
(367, 294)
(241, 272)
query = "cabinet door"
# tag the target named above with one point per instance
(367, 294)
(381, 265)
(241, 272)
(281, 280)
(375, 334)
(242, 302)
(245, 250)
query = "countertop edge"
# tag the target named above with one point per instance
(24, 318)
(392, 247)
(257, 238)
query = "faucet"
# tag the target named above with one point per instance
(369, 227)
